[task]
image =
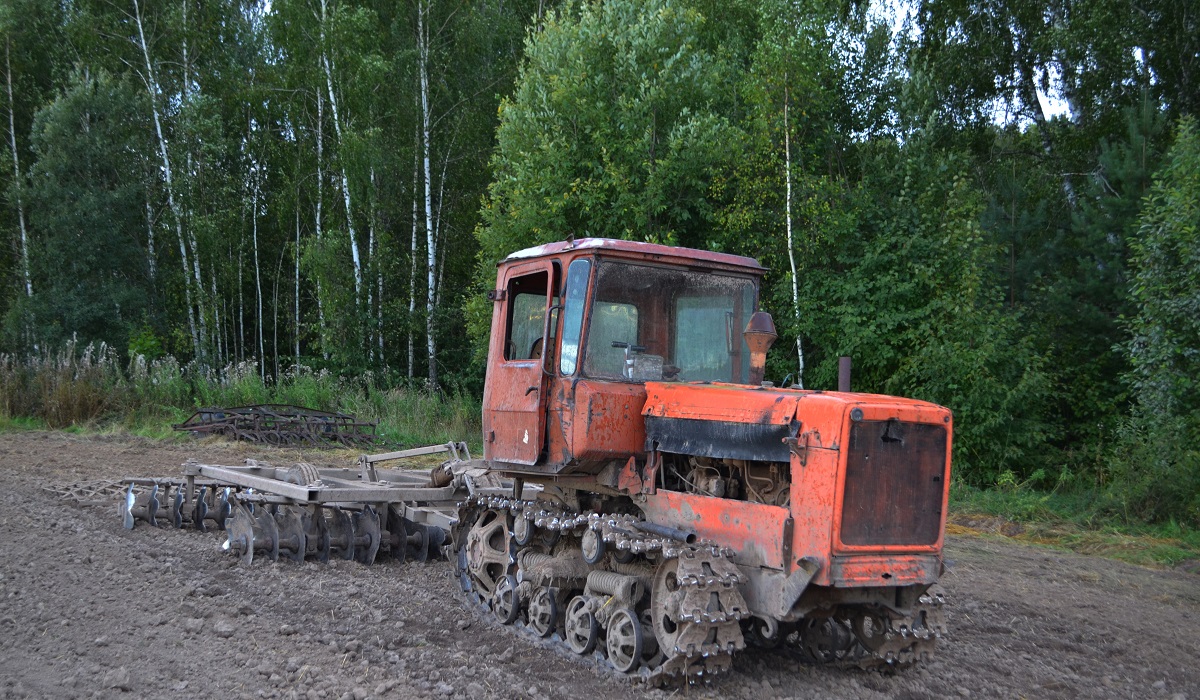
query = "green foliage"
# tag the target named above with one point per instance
(89, 214)
(618, 123)
(1161, 465)
(907, 294)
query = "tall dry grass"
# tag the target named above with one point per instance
(75, 386)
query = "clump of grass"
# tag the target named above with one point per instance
(74, 388)
(1075, 519)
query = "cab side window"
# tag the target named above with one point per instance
(526, 317)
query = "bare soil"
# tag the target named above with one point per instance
(88, 609)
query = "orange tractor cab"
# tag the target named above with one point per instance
(657, 475)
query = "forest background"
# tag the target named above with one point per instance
(990, 204)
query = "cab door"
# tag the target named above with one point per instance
(515, 391)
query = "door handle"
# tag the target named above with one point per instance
(530, 390)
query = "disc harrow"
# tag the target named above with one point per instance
(278, 424)
(300, 512)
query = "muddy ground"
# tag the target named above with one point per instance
(88, 609)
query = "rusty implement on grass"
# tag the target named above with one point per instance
(280, 424)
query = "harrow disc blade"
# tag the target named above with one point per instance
(366, 535)
(241, 534)
(127, 508)
(341, 534)
(200, 510)
(177, 509)
(292, 544)
(418, 542)
(316, 534)
(266, 533)
(396, 539)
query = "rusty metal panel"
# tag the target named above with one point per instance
(639, 249)
(894, 482)
(884, 570)
(722, 439)
(607, 420)
(754, 530)
(724, 402)
(514, 391)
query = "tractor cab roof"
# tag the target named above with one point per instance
(649, 251)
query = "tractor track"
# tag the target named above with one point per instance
(88, 609)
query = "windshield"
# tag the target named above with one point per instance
(657, 323)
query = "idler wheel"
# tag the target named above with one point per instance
(543, 612)
(506, 604)
(825, 639)
(582, 630)
(625, 642)
(523, 530)
(592, 546)
(763, 633)
(870, 629)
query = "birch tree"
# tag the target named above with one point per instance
(150, 79)
(430, 234)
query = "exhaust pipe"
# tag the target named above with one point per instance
(759, 335)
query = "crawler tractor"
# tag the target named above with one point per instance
(644, 497)
(668, 505)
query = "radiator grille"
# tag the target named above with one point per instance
(894, 483)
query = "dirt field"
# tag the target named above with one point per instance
(88, 609)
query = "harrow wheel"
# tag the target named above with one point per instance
(396, 536)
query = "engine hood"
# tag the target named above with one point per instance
(743, 422)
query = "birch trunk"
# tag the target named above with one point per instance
(787, 176)
(412, 273)
(12, 140)
(241, 306)
(430, 237)
(262, 357)
(320, 201)
(150, 255)
(337, 129)
(374, 250)
(371, 263)
(296, 308)
(152, 87)
(216, 335)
